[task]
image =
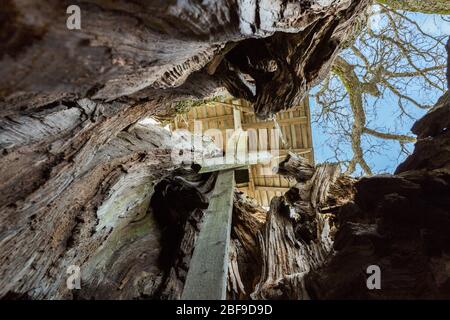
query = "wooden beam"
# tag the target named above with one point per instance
(240, 107)
(207, 275)
(284, 152)
(216, 118)
(220, 167)
(294, 120)
(251, 182)
(308, 115)
(270, 124)
(237, 119)
(268, 188)
(220, 163)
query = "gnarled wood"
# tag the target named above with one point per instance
(245, 259)
(70, 101)
(297, 237)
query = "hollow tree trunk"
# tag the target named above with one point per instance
(77, 171)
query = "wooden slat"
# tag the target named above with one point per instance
(301, 151)
(308, 115)
(243, 108)
(216, 118)
(220, 163)
(251, 182)
(270, 124)
(220, 167)
(207, 275)
(237, 118)
(273, 189)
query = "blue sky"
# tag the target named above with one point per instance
(387, 113)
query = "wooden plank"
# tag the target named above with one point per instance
(293, 132)
(207, 275)
(265, 199)
(242, 153)
(216, 118)
(220, 167)
(220, 163)
(270, 124)
(308, 115)
(211, 113)
(243, 108)
(237, 119)
(268, 189)
(251, 183)
(300, 151)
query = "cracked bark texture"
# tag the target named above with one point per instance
(127, 51)
(100, 219)
(79, 174)
(244, 267)
(77, 171)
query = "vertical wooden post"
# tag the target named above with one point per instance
(237, 118)
(207, 275)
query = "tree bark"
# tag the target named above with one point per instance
(71, 151)
(245, 259)
(83, 184)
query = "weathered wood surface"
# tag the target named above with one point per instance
(220, 163)
(221, 167)
(71, 152)
(69, 100)
(297, 237)
(244, 268)
(207, 275)
(295, 166)
(160, 44)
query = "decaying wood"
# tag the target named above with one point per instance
(83, 184)
(295, 166)
(245, 259)
(107, 231)
(160, 44)
(70, 101)
(297, 237)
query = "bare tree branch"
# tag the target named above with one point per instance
(387, 61)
